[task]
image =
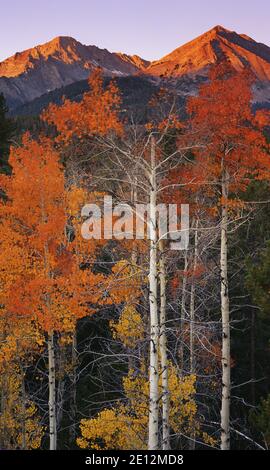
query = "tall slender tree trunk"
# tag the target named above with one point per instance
(192, 302)
(73, 391)
(192, 370)
(225, 313)
(163, 352)
(183, 314)
(154, 325)
(51, 354)
(61, 385)
(52, 392)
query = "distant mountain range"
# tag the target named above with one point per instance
(47, 70)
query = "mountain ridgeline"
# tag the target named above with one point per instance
(31, 79)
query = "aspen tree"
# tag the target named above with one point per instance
(231, 154)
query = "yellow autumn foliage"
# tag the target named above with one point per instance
(125, 426)
(129, 329)
(126, 283)
(19, 422)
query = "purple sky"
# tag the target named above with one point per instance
(150, 28)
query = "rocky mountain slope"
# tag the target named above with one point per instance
(60, 62)
(210, 48)
(187, 66)
(32, 74)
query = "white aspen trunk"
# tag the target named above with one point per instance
(154, 326)
(73, 396)
(183, 314)
(192, 302)
(225, 313)
(134, 198)
(163, 353)
(52, 392)
(51, 356)
(192, 442)
(60, 389)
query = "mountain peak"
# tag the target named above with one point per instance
(61, 41)
(65, 47)
(211, 48)
(57, 63)
(65, 50)
(212, 33)
(25, 60)
(219, 29)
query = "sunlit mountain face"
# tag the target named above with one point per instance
(30, 74)
(213, 47)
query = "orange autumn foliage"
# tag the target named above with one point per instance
(41, 279)
(222, 128)
(96, 114)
